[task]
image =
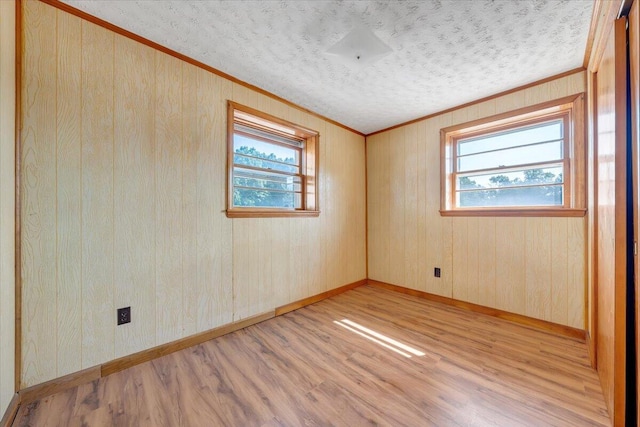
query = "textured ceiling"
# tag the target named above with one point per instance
(445, 52)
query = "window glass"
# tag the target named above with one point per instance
(272, 165)
(525, 160)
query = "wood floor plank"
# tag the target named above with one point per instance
(369, 356)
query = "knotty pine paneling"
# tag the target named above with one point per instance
(530, 266)
(7, 204)
(124, 192)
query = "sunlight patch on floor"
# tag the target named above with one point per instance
(379, 338)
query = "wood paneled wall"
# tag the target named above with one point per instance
(609, 89)
(123, 180)
(530, 266)
(7, 195)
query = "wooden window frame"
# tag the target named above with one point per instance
(570, 109)
(309, 161)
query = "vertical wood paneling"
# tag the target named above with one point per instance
(358, 208)
(538, 267)
(214, 235)
(169, 273)
(332, 185)
(245, 300)
(530, 266)
(39, 194)
(265, 270)
(459, 232)
(421, 187)
(125, 196)
(7, 204)
(323, 222)
(560, 272)
(98, 310)
(576, 275)
(189, 200)
(69, 193)
(473, 267)
(222, 227)
(487, 261)
(134, 194)
(439, 230)
(397, 190)
(410, 207)
(206, 249)
(511, 265)
(460, 259)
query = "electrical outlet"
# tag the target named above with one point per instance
(124, 315)
(436, 272)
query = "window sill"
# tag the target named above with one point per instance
(522, 212)
(269, 213)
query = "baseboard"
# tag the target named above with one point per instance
(317, 298)
(125, 362)
(516, 318)
(66, 382)
(11, 412)
(29, 394)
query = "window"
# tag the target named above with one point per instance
(528, 162)
(272, 166)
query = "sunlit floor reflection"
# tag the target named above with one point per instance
(379, 338)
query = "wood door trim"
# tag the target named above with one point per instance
(620, 222)
(634, 61)
(594, 232)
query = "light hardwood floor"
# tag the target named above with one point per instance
(314, 366)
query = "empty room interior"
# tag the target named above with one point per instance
(332, 212)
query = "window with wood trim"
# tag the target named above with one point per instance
(528, 162)
(272, 166)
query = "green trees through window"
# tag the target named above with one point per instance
(531, 187)
(526, 162)
(256, 188)
(272, 166)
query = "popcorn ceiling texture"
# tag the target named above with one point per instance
(445, 52)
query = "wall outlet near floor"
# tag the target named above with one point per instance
(436, 272)
(124, 315)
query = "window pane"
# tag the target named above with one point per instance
(547, 175)
(262, 149)
(547, 195)
(512, 138)
(240, 159)
(243, 197)
(263, 179)
(548, 152)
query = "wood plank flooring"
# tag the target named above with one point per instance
(326, 364)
